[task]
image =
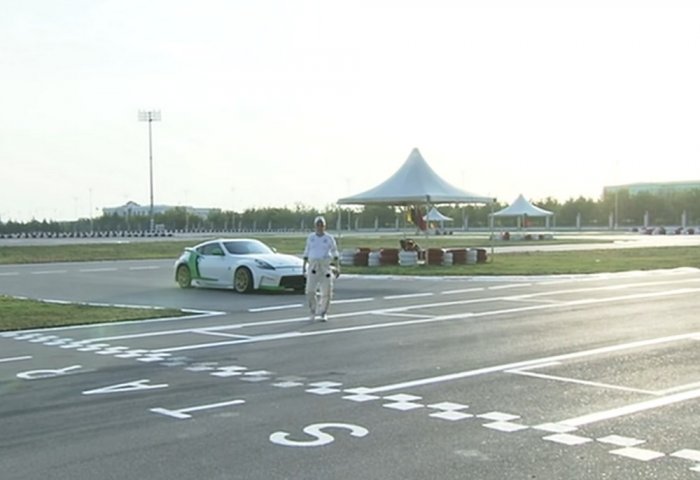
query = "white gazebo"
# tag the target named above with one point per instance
(434, 215)
(521, 208)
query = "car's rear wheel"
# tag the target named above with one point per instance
(183, 276)
(243, 280)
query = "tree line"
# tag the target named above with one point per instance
(621, 210)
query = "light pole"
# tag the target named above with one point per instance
(150, 116)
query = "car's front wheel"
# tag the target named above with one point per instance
(184, 277)
(243, 280)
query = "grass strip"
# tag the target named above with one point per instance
(23, 314)
(554, 263)
(171, 249)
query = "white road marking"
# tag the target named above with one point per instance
(129, 322)
(408, 295)
(276, 307)
(48, 272)
(401, 315)
(459, 316)
(464, 290)
(581, 382)
(508, 427)
(145, 267)
(14, 359)
(525, 363)
(567, 439)
(97, 270)
(621, 441)
(443, 318)
(679, 388)
(299, 305)
(8, 274)
(305, 319)
(204, 331)
(555, 428)
(638, 453)
(687, 454)
(352, 300)
(510, 285)
(633, 408)
(183, 413)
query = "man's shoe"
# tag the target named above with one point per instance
(312, 316)
(324, 317)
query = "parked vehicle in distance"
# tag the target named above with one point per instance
(243, 264)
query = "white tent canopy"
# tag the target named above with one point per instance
(434, 215)
(414, 183)
(521, 207)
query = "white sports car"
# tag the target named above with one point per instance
(240, 263)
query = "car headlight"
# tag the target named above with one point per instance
(263, 264)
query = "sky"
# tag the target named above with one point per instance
(300, 102)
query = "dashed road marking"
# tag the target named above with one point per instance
(638, 453)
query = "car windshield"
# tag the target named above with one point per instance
(246, 247)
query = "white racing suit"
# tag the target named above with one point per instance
(319, 278)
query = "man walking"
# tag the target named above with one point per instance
(321, 258)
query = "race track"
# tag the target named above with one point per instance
(547, 377)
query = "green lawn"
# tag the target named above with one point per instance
(21, 314)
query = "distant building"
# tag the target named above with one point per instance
(133, 209)
(656, 188)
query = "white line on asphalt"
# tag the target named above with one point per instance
(629, 409)
(183, 412)
(299, 305)
(539, 365)
(511, 285)
(8, 274)
(580, 382)
(95, 270)
(527, 363)
(305, 319)
(443, 318)
(145, 267)
(48, 272)
(399, 314)
(679, 388)
(463, 290)
(605, 288)
(204, 331)
(352, 300)
(14, 359)
(127, 322)
(276, 307)
(408, 295)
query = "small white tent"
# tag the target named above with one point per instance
(434, 215)
(522, 208)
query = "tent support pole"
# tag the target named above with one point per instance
(491, 225)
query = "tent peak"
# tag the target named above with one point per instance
(413, 183)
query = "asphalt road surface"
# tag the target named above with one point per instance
(588, 377)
